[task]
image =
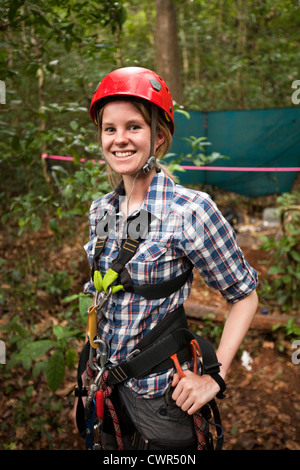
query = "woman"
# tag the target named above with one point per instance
(133, 110)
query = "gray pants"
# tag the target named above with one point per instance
(163, 424)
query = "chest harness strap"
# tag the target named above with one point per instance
(137, 224)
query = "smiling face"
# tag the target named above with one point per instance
(125, 137)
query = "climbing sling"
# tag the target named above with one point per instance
(155, 353)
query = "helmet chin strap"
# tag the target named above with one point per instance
(151, 162)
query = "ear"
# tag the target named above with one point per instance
(160, 138)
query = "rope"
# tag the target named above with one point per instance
(199, 426)
(107, 392)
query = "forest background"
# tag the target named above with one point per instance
(216, 55)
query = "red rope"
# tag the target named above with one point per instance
(107, 392)
(199, 424)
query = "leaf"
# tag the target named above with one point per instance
(84, 303)
(55, 371)
(71, 358)
(295, 255)
(182, 111)
(74, 125)
(36, 223)
(35, 349)
(276, 270)
(70, 298)
(64, 332)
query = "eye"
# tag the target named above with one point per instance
(109, 129)
(134, 127)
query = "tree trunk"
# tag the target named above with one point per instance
(167, 49)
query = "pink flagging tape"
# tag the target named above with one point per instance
(241, 168)
(204, 168)
(69, 159)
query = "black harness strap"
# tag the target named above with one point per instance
(136, 225)
(156, 357)
(163, 289)
(81, 391)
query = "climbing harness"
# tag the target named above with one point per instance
(149, 357)
(170, 343)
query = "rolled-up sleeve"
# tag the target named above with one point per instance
(210, 243)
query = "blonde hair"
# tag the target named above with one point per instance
(162, 126)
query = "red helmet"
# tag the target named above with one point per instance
(135, 82)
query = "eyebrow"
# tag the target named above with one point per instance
(131, 121)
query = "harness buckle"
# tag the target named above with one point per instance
(132, 354)
(212, 369)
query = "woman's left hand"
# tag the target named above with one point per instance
(193, 391)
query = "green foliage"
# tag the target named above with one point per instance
(198, 156)
(236, 54)
(48, 88)
(288, 332)
(209, 329)
(86, 184)
(285, 268)
(54, 351)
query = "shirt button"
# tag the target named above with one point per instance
(163, 411)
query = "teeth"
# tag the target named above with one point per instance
(123, 154)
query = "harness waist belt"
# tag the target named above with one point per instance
(152, 353)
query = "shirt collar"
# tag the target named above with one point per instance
(158, 198)
(159, 195)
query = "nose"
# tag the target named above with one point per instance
(121, 137)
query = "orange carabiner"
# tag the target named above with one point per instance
(177, 365)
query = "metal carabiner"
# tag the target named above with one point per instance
(104, 300)
(93, 312)
(101, 356)
(92, 393)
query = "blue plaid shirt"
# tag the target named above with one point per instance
(187, 229)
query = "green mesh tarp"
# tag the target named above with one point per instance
(267, 138)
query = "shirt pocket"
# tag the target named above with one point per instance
(151, 263)
(151, 252)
